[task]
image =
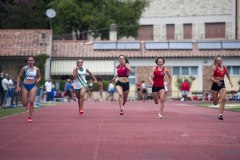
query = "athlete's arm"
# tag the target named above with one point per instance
(169, 76)
(18, 89)
(75, 73)
(151, 76)
(38, 75)
(129, 68)
(93, 77)
(227, 74)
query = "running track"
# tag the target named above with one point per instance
(58, 133)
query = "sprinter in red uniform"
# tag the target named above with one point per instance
(157, 80)
(218, 88)
(122, 85)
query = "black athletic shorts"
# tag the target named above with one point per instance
(157, 89)
(125, 85)
(216, 87)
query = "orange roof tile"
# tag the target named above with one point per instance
(24, 42)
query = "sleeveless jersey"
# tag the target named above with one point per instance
(158, 79)
(219, 73)
(80, 81)
(122, 71)
(28, 74)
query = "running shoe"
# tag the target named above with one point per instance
(121, 112)
(81, 112)
(29, 120)
(160, 116)
(220, 117)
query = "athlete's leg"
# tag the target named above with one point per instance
(215, 97)
(120, 93)
(222, 96)
(155, 97)
(162, 100)
(25, 97)
(32, 95)
(77, 91)
(82, 93)
(125, 96)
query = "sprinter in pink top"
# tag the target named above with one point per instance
(122, 85)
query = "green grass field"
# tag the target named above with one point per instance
(231, 106)
(11, 111)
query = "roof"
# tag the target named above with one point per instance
(24, 42)
(34, 42)
(83, 49)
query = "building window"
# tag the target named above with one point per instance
(185, 71)
(145, 32)
(233, 70)
(132, 76)
(215, 30)
(187, 31)
(170, 31)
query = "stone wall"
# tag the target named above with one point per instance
(172, 8)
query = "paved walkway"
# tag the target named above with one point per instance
(58, 133)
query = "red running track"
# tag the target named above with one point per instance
(58, 133)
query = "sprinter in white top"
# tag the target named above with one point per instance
(80, 83)
(31, 76)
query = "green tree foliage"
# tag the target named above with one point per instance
(23, 14)
(41, 61)
(85, 15)
(78, 16)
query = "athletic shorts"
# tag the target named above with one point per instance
(157, 89)
(216, 87)
(125, 85)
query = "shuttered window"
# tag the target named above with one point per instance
(214, 30)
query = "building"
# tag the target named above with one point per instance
(188, 33)
(188, 19)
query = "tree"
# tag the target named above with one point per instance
(91, 15)
(23, 14)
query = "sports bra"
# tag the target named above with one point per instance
(122, 71)
(28, 74)
(220, 73)
(158, 79)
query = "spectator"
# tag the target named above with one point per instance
(1, 89)
(238, 95)
(52, 91)
(185, 88)
(48, 88)
(15, 94)
(5, 85)
(67, 89)
(111, 91)
(144, 91)
(139, 93)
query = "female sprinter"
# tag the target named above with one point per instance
(122, 85)
(218, 88)
(157, 80)
(31, 76)
(80, 83)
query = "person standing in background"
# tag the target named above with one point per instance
(185, 88)
(5, 85)
(48, 88)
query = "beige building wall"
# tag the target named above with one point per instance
(238, 19)
(162, 12)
